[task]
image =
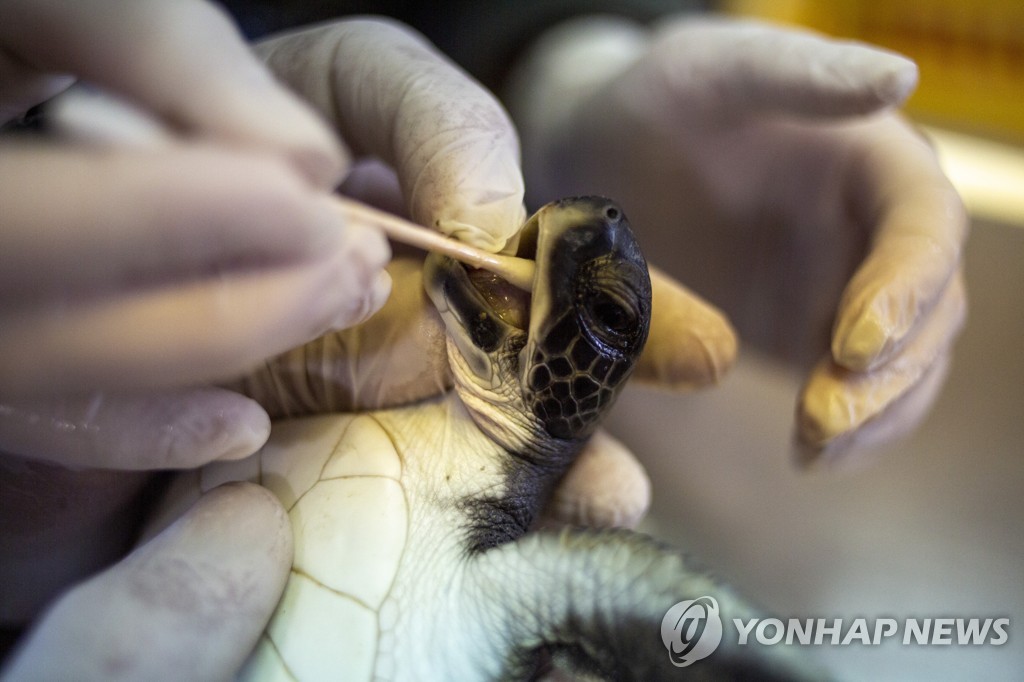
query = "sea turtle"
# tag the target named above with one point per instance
(414, 555)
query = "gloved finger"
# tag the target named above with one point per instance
(149, 217)
(606, 487)
(920, 226)
(175, 429)
(392, 95)
(691, 343)
(900, 418)
(837, 402)
(750, 68)
(396, 357)
(190, 333)
(189, 604)
(183, 60)
(374, 183)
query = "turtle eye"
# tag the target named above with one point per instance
(611, 318)
(611, 315)
(613, 304)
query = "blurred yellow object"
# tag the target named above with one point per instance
(970, 53)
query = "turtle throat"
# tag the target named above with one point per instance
(510, 303)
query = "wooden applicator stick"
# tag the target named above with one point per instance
(516, 271)
(104, 120)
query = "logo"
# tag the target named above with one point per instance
(691, 630)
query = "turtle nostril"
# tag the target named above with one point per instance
(612, 213)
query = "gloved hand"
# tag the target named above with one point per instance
(128, 274)
(138, 268)
(155, 268)
(189, 604)
(767, 168)
(471, 166)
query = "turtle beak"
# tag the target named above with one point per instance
(528, 236)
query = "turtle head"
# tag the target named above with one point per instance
(548, 364)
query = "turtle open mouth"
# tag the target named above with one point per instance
(510, 303)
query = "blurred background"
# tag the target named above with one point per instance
(932, 528)
(970, 52)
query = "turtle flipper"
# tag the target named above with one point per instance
(594, 602)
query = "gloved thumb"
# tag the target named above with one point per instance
(749, 67)
(193, 600)
(689, 71)
(392, 95)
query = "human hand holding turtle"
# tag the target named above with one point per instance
(766, 166)
(717, 342)
(129, 274)
(115, 430)
(408, 516)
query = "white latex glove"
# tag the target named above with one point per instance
(236, 256)
(471, 166)
(764, 165)
(129, 274)
(450, 142)
(189, 604)
(154, 268)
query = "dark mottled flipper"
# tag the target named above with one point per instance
(593, 603)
